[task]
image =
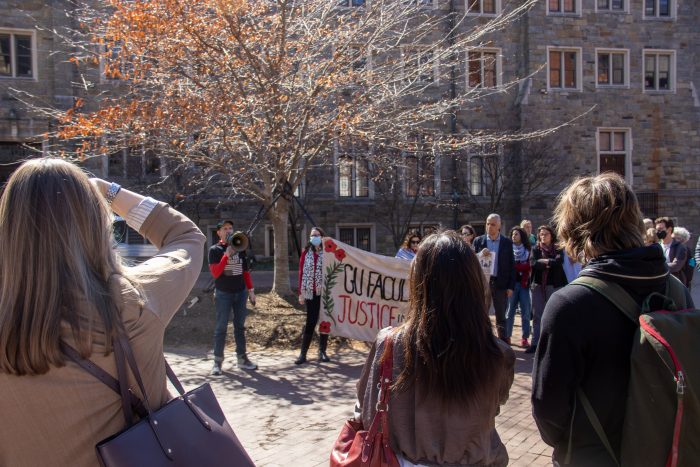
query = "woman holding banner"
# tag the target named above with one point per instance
(310, 285)
(452, 372)
(409, 246)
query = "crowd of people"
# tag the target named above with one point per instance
(451, 371)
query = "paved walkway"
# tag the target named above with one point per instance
(290, 415)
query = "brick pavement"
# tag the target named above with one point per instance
(286, 414)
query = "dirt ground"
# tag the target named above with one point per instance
(273, 323)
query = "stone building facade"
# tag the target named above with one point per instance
(623, 72)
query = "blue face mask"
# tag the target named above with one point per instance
(315, 241)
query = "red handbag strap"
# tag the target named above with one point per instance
(381, 417)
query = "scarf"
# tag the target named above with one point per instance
(521, 254)
(312, 279)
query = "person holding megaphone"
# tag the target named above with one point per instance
(233, 286)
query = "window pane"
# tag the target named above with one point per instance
(555, 69)
(364, 239)
(361, 179)
(612, 163)
(618, 66)
(570, 69)
(358, 2)
(664, 8)
(473, 6)
(411, 176)
(604, 140)
(427, 177)
(5, 58)
(569, 6)
(23, 48)
(475, 176)
(618, 5)
(619, 141)
(425, 65)
(650, 7)
(474, 69)
(649, 72)
(603, 69)
(489, 6)
(347, 235)
(490, 70)
(664, 72)
(345, 176)
(603, 4)
(554, 5)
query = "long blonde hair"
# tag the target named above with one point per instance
(56, 266)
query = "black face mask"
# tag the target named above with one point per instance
(661, 234)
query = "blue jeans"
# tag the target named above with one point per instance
(225, 302)
(520, 295)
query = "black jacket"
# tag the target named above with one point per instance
(505, 279)
(556, 276)
(586, 342)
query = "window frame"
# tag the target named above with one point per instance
(672, 70)
(499, 67)
(497, 8)
(420, 168)
(673, 10)
(408, 53)
(12, 32)
(352, 154)
(627, 152)
(350, 6)
(625, 8)
(579, 68)
(577, 9)
(359, 225)
(626, 67)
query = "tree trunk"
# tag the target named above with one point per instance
(279, 215)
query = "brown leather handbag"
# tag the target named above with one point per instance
(189, 430)
(357, 447)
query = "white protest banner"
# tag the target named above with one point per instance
(363, 292)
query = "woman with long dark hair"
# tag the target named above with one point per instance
(63, 283)
(521, 293)
(453, 373)
(310, 286)
(547, 277)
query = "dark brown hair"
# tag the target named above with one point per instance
(449, 348)
(596, 215)
(668, 222)
(524, 237)
(551, 231)
(308, 243)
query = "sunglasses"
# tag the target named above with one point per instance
(415, 242)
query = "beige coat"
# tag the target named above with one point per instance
(424, 432)
(57, 418)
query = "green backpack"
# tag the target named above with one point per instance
(662, 418)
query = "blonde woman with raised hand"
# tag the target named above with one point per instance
(62, 282)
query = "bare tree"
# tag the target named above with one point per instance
(252, 93)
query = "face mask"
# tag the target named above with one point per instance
(661, 234)
(315, 241)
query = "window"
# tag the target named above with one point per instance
(476, 176)
(359, 237)
(352, 3)
(419, 65)
(484, 68)
(611, 5)
(614, 151)
(566, 7)
(353, 172)
(659, 70)
(17, 54)
(483, 7)
(659, 8)
(612, 67)
(419, 175)
(564, 69)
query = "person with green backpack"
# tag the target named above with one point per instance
(613, 378)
